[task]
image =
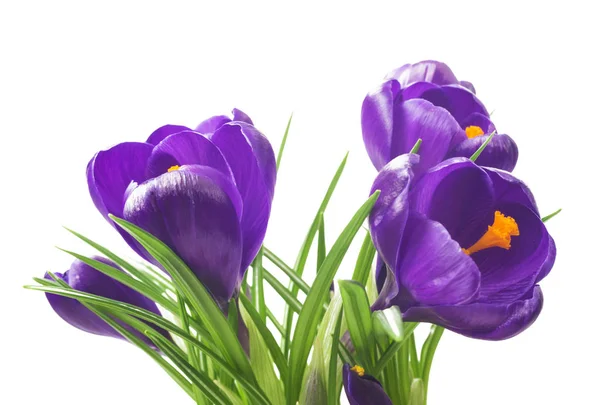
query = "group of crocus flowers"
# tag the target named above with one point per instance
(460, 242)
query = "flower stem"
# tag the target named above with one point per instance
(429, 349)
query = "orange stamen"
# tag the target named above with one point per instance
(473, 131)
(173, 168)
(358, 370)
(498, 234)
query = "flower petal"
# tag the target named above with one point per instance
(432, 267)
(509, 189)
(186, 148)
(459, 101)
(389, 288)
(210, 125)
(468, 85)
(482, 121)
(110, 172)
(377, 119)
(419, 119)
(547, 266)
(483, 320)
(239, 115)
(161, 133)
(501, 153)
(390, 212)
(194, 216)
(363, 390)
(458, 194)
(252, 163)
(425, 71)
(85, 278)
(507, 275)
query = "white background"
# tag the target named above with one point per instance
(79, 77)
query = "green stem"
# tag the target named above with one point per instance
(392, 349)
(427, 357)
(273, 258)
(414, 357)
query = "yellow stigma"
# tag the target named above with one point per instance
(473, 131)
(497, 235)
(358, 370)
(173, 168)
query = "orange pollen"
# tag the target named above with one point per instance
(497, 235)
(173, 168)
(473, 131)
(358, 370)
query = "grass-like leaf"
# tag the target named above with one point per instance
(270, 342)
(305, 250)
(197, 295)
(392, 349)
(273, 258)
(358, 316)
(261, 360)
(364, 261)
(311, 314)
(284, 141)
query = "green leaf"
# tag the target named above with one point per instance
(261, 361)
(482, 147)
(283, 141)
(555, 213)
(364, 261)
(316, 382)
(417, 146)
(142, 287)
(283, 292)
(429, 348)
(235, 400)
(158, 281)
(273, 258)
(270, 342)
(333, 382)
(258, 293)
(358, 316)
(321, 247)
(388, 324)
(197, 295)
(392, 349)
(169, 369)
(305, 250)
(417, 392)
(200, 380)
(311, 314)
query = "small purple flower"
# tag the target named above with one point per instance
(363, 389)
(426, 101)
(206, 193)
(465, 246)
(85, 278)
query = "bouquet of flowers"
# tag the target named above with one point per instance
(454, 240)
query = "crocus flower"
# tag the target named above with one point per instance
(363, 389)
(426, 101)
(206, 193)
(85, 278)
(464, 245)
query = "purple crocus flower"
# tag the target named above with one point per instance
(363, 389)
(465, 247)
(85, 278)
(206, 193)
(426, 101)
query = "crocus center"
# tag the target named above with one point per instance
(173, 168)
(497, 235)
(473, 131)
(358, 370)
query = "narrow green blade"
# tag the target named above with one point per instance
(358, 316)
(311, 313)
